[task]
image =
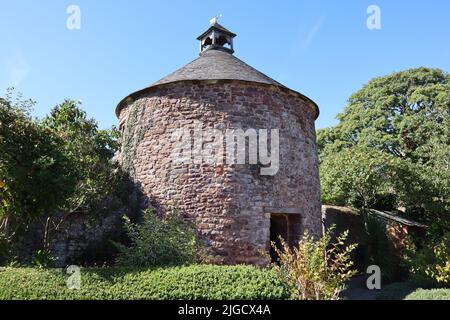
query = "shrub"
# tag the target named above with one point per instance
(316, 269)
(179, 283)
(44, 259)
(166, 241)
(432, 261)
(396, 291)
(400, 290)
(434, 294)
(5, 249)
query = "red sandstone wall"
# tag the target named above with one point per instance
(228, 204)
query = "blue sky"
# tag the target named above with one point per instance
(321, 48)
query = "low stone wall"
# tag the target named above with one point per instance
(81, 239)
(85, 239)
(345, 219)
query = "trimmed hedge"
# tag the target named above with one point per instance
(414, 289)
(434, 294)
(397, 291)
(190, 283)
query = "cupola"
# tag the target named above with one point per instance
(216, 37)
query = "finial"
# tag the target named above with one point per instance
(215, 20)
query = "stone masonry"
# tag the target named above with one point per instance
(231, 204)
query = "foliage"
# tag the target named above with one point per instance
(160, 241)
(434, 294)
(198, 282)
(55, 167)
(432, 261)
(316, 269)
(35, 175)
(44, 259)
(396, 291)
(402, 119)
(400, 290)
(356, 177)
(135, 128)
(380, 250)
(89, 150)
(5, 249)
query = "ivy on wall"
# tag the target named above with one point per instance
(136, 126)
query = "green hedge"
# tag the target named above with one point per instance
(434, 294)
(191, 283)
(397, 290)
(414, 289)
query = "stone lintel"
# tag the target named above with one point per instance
(283, 210)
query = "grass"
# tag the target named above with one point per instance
(179, 283)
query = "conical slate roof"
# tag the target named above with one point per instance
(217, 65)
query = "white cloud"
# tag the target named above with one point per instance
(313, 32)
(304, 40)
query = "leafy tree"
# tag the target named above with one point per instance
(35, 175)
(52, 168)
(90, 152)
(393, 138)
(397, 114)
(99, 184)
(356, 176)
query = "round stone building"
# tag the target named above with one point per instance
(182, 144)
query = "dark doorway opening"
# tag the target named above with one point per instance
(286, 226)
